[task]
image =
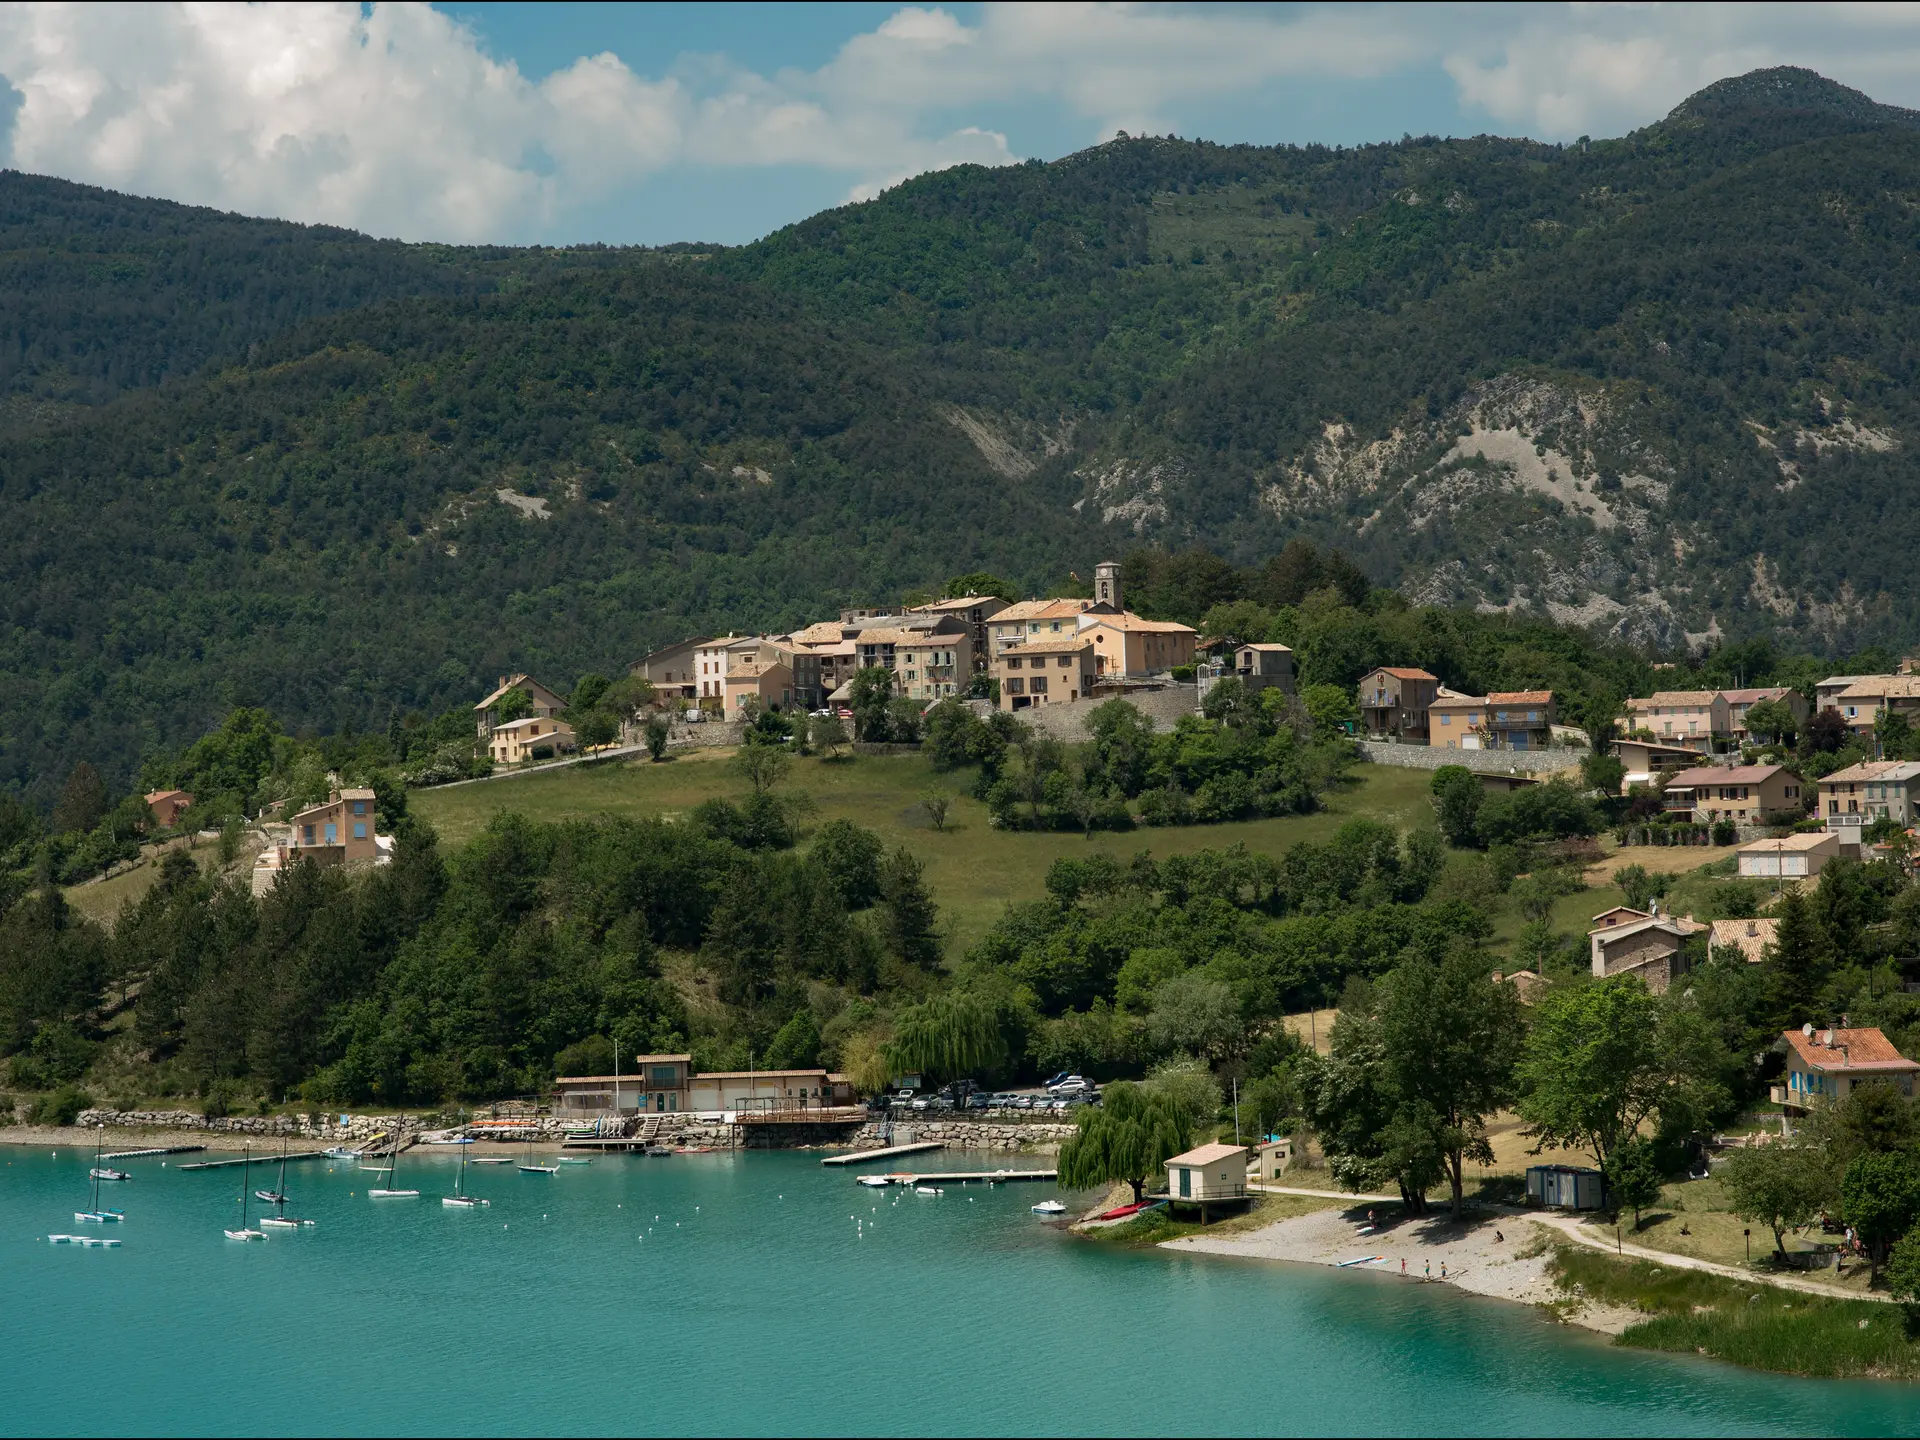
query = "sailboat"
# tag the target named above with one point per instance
(280, 1220)
(393, 1180)
(530, 1168)
(244, 1232)
(460, 1200)
(93, 1214)
(277, 1195)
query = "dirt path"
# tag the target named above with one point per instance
(1571, 1227)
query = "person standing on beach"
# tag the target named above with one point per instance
(1403, 1264)
(1429, 1269)
(1443, 1269)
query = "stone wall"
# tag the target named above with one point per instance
(1068, 722)
(707, 732)
(1481, 762)
(963, 1134)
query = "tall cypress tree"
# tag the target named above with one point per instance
(1799, 961)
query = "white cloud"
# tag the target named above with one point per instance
(1562, 70)
(392, 118)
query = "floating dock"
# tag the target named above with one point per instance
(861, 1157)
(267, 1159)
(155, 1150)
(969, 1177)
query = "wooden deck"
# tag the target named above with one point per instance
(152, 1150)
(973, 1177)
(861, 1157)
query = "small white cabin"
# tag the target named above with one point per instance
(1211, 1172)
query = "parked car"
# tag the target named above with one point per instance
(1063, 1075)
(979, 1100)
(1023, 1102)
(1070, 1085)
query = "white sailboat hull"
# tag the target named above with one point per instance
(246, 1234)
(391, 1194)
(463, 1202)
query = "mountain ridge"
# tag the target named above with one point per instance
(1656, 385)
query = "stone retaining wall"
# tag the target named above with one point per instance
(1481, 762)
(962, 1134)
(1068, 722)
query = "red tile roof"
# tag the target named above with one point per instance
(1724, 775)
(1520, 697)
(1405, 673)
(1864, 1048)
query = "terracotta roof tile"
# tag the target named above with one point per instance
(1863, 1048)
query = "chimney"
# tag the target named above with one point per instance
(1753, 927)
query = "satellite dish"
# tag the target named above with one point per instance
(1807, 1030)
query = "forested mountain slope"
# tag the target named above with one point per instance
(1660, 384)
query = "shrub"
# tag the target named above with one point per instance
(540, 752)
(1182, 673)
(62, 1107)
(1724, 832)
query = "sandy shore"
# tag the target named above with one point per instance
(1501, 1256)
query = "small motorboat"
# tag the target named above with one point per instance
(539, 1169)
(570, 1160)
(1049, 1207)
(928, 1190)
(878, 1182)
(340, 1152)
(272, 1197)
(490, 1160)
(464, 1202)
(108, 1174)
(87, 1242)
(657, 1150)
(694, 1149)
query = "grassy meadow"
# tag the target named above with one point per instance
(974, 870)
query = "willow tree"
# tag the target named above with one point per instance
(1129, 1136)
(949, 1036)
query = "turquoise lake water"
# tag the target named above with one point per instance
(757, 1303)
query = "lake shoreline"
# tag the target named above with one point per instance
(1500, 1256)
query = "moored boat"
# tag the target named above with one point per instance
(1049, 1207)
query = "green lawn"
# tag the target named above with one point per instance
(101, 900)
(974, 870)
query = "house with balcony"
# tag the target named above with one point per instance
(344, 827)
(1029, 620)
(546, 704)
(1824, 1067)
(1394, 701)
(763, 681)
(1256, 667)
(1520, 719)
(1875, 790)
(930, 667)
(1045, 672)
(972, 610)
(1740, 793)
(1646, 759)
(1690, 719)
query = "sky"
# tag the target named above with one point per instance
(560, 123)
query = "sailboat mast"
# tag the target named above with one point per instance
(246, 1164)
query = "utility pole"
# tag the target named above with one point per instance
(1236, 1109)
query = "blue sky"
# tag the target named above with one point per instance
(564, 122)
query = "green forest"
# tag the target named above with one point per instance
(256, 464)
